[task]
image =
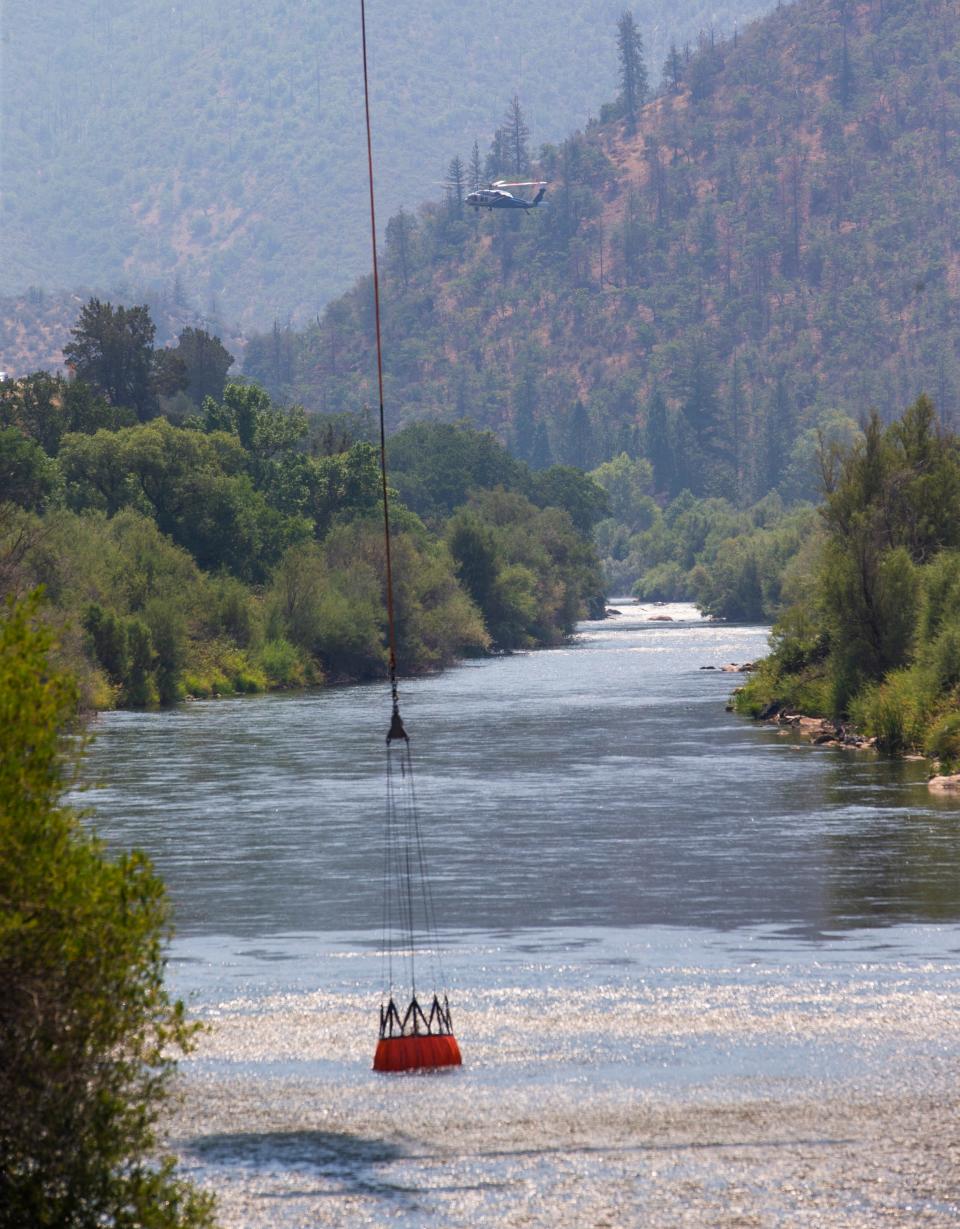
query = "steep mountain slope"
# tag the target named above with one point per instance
(779, 239)
(224, 142)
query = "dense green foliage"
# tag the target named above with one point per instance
(519, 538)
(772, 248)
(87, 1031)
(240, 547)
(875, 634)
(222, 144)
(527, 570)
(735, 564)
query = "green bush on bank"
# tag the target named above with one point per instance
(88, 1032)
(874, 637)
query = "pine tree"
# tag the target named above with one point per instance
(455, 187)
(658, 445)
(281, 355)
(206, 362)
(399, 244)
(845, 75)
(475, 170)
(631, 237)
(541, 454)
(779, 433)
(704, 444)
(580, 448)
(496, 163)
(524, 407)
(516, 134)
(735, 423)
(673, 70)
(633, 72)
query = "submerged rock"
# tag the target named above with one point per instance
(945, 785)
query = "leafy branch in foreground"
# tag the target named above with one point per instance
(87, 1029)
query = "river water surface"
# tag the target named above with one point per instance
(701, 973)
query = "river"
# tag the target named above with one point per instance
(701, 973)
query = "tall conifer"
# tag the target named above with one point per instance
(516, 134)
(633, 71)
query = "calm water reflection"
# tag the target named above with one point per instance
(597, 785)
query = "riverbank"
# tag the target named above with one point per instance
(823, 732)
(819, 731)
(279, 668)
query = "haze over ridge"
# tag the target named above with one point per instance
(220, 145)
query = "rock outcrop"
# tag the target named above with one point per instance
(945, 785)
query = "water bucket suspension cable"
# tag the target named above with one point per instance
(413, 1038)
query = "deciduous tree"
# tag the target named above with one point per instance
(88, 1032)
(206, 362)
(112, 349)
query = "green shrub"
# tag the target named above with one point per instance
(197, 685)
(797, 640)
(232, 612)
(941, 588)
(87, 1031)
(807, 692)
(108, 636)
(349, 636)
(242, 675)
(895, 712)
(281, 663)
(943, 742)
(169, 634)
(139, 690)
(667, 582)
(942, 658)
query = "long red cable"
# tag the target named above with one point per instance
(392, 635)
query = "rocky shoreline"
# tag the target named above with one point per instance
(819, 731)
(824, 732)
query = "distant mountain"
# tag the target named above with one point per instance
(222, 143)
(778, 240)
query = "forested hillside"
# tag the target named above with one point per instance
(224, 142)
(772, 247)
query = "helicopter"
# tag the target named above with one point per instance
(496, 196)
